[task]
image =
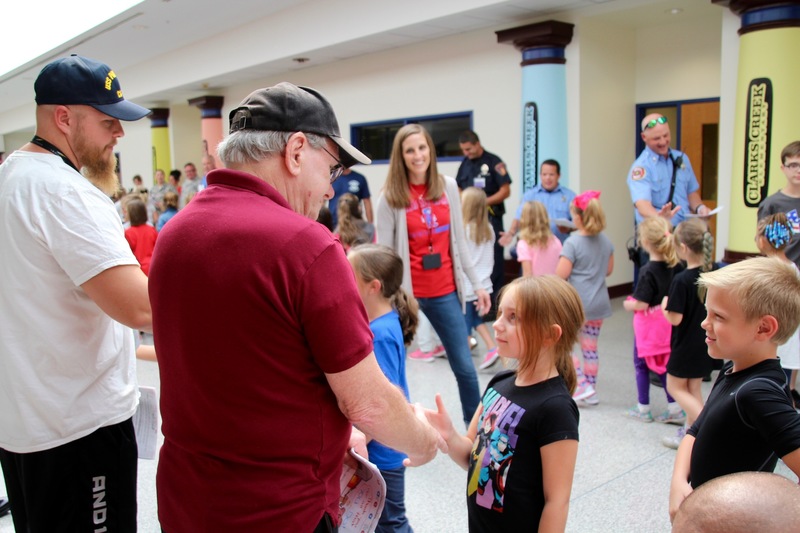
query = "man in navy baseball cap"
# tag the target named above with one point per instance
(77, 80)
(69, 286)
(75, 97)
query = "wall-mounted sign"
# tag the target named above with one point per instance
(530, 148)
(758, 125)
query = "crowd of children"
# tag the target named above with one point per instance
(520, 447)
(688, 314)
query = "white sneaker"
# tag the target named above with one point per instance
(674, 441)
(584, 391)
(591, 400)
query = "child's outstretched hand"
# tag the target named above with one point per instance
(433, 432)
(440, 419)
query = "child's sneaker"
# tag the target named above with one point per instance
(637, 414)
(473, 342)
(584, 391)
(674, 441)
(439, 351)
(591, 400)
(489, 359)
(419, 355)
(668, 417)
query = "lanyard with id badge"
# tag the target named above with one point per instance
(479, 181)
(432, 260)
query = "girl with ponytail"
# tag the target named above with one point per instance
(393, 320)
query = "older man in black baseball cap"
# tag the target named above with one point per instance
(69, 286)
(259, 392)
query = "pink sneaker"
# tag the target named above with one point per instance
(439, 351)
(419, 355)
(489, 359)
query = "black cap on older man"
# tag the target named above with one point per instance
(77, 80)
(287, 107)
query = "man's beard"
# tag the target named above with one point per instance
(98, 168)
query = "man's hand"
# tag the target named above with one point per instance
(668, 212)
(703, 211)
(358, 441)
(505, 238)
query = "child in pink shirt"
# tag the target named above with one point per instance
(537, 249)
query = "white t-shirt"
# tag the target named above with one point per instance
(66, 368)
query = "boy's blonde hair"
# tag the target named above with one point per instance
(541, 302)
(535, 224)
(654, 231)
(476, 215)
(762, 286)
(593, 217)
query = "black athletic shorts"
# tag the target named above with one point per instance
(85, 485)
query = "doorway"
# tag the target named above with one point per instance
(694, 125)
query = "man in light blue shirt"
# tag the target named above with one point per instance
(556, 200)
(650, 177)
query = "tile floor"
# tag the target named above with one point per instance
(622, 475)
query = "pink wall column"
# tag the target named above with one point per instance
(212, 127)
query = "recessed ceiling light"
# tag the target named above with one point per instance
(674, 11)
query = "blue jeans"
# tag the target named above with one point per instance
(444, 314)
(471, 317)
(393, 519)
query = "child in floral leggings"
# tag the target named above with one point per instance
(587, 258)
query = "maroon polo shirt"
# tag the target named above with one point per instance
(252, 305)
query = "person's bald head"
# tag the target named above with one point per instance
(745, 502)
(656, 134)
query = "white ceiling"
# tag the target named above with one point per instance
(188, 48)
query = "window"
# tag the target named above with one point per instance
(375, 138)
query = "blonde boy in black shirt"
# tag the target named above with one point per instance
(748, 421)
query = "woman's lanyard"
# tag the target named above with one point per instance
(427, 217)
(47, 145)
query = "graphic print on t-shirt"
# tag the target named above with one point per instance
(493, 450)
(794, 220)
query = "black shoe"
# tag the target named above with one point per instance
(5, 506)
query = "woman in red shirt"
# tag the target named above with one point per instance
(419, 216)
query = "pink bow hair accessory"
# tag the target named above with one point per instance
(583, 199)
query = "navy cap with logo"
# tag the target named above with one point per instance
(77, 80)
(287, 107)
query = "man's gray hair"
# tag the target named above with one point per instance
(251, 146)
